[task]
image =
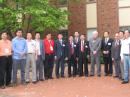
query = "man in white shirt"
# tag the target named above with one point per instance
(121, 35)
(125, 56)
(31, 58)
(40, 57)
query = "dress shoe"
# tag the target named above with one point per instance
(105, 74)
(34, 82)
(69, 76)
(125, 82)
(41, 79)
(2, 87)
(62, 76)
(51, 78)
(27, 82)
(91, 75)
(57, 77)
(99, 75)
(115, 76)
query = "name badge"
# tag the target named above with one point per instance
(6, 50)
(109, 43)
(51, 48)
(86, 46)
(63, 45)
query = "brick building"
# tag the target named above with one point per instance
(89, 15)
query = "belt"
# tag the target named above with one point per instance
(50, 54)
(30, 53)
(6, 56)
(126, 54)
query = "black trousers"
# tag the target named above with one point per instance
(83, 61)
(72, 63)
(60, 64)
(5, 70)
(49, 64)
(108, 65)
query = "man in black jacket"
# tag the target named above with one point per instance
(83, 56)
(76, 41)
(60, 55)
(106, 50)
(71, 55)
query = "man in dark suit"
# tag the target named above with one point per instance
(76, 41)
(116, 47)
(83, 56)
(106, 50)
(71, 56)
(60, 47)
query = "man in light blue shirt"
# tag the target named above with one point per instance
(19, 56)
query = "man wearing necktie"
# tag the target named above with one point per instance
(76, 41)
(71, 56)
(60, 55)
(83, 56)
(116, 47)
(106, 50)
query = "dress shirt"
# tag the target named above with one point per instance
(31, 46)
(38, 47)
(49, 46)
(19, 47)
(125, 47)
(5, 48)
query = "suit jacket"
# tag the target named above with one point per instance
(77, 47)
(106, 47)
(86, 49)
(116, 50)
(60, 50)
(68, 50)
(95, 45)
(42, 49)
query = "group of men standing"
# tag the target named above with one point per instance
(38, 56)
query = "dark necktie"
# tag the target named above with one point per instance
(106, 41)
(116, 44)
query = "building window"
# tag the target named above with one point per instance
(62, 2)
(65, 34)
(123, 28)
(91, 1)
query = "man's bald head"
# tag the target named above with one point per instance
(95, 34)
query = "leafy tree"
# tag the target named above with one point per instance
(31, 14)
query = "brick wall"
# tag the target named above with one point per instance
(107, 16)
(77, 16)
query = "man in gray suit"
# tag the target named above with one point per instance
(95, 47)
(116, 46)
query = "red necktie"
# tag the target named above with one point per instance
(82, 46)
